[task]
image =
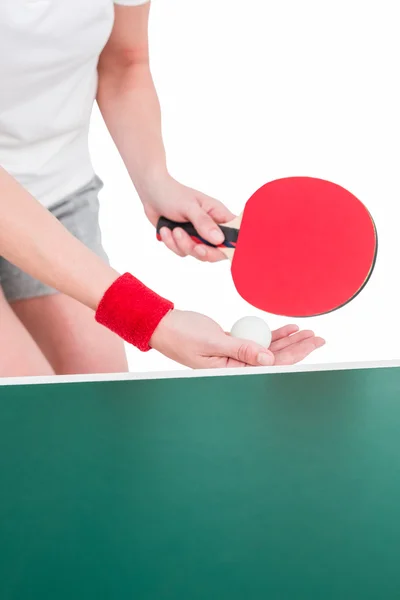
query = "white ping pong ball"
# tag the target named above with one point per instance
(253, 329)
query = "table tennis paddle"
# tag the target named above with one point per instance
(302, 247)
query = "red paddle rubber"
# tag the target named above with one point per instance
(306, 247)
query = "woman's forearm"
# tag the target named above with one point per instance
(129, 104)
(35, 241)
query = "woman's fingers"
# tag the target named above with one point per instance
(283, 332)
(295, 338)
(167, 238)
(299, 351)
(188, 247)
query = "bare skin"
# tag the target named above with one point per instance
(69, 337)
(36, 242)
(58, 333)
(129, 104)
(21, 356)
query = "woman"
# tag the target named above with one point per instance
(56, 58)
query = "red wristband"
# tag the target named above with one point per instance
(132, 311)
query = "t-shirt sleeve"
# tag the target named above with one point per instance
(131, 2)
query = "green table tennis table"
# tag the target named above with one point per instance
(278, 486)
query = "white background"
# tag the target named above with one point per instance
(256, 90)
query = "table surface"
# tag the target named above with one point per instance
(281, 486)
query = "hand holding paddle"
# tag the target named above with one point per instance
(302, 247)
(166, 196)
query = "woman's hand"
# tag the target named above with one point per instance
(168, 198)
(289, 345)
(198, 342)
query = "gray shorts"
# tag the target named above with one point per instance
(79, 213)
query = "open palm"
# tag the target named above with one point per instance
(290, 345)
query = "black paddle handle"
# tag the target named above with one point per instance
(230, 233)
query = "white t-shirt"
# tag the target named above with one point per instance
(49, 51)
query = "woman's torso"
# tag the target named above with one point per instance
(49, 51)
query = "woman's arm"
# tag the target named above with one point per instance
(127, 97)
(36, 242)
(129, 104)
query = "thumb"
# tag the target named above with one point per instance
(218, 211)
(248, 352)
(205, 225)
